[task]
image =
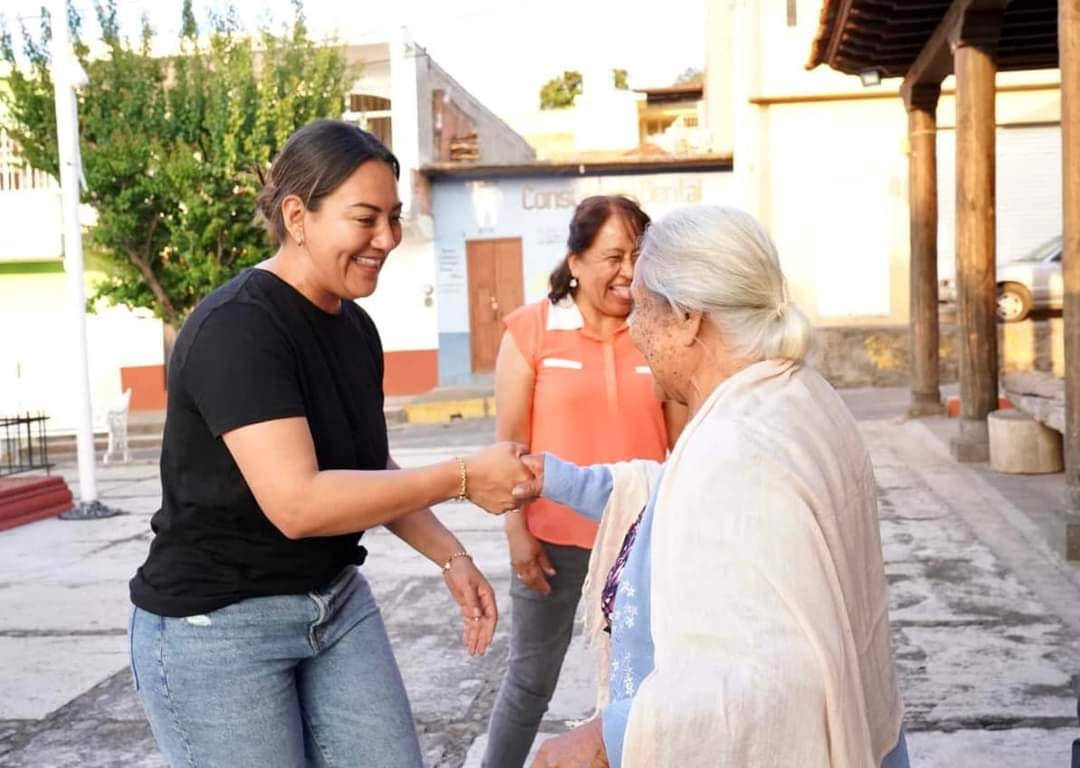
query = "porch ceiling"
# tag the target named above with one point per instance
(888, 35)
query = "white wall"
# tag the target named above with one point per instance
(38, 356)
(30, 221)
(398, 306)
(834, 196)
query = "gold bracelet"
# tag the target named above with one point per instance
(450, 560)
(463, 491)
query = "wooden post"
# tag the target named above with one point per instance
(922, 201)
(975, 249)
(1069, 51)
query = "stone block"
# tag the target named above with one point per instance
(1021, 445)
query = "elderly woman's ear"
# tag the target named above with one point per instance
(689, 326)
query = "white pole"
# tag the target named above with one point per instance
(67, 132)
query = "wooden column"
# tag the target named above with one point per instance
(922, 202)
(1069, 51)
(975, 248)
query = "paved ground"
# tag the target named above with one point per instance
(985, 613)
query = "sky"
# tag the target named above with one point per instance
(502, 52)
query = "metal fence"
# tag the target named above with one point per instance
(22, 444)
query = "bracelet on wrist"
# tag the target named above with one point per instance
(453, 557)
(463, 488)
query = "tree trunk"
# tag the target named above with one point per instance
(142, 263)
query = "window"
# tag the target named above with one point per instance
(380, 126)
(363, 102)
(372, 113)
(658, 125)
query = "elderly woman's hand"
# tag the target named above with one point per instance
(582, 747)
(493, 474)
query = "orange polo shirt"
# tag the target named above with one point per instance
(592, 403)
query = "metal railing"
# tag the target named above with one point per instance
(16, 175)
(22, 444)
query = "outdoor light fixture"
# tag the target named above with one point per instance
(870, 77)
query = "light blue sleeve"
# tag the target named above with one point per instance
(584, 489)
(615, 717)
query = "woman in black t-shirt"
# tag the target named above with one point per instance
(255, 641)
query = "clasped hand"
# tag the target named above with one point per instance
(504, 477)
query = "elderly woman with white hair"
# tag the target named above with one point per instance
(742, 581)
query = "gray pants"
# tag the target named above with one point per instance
(539, 636)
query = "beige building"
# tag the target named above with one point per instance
(606, 122)
(822, 160)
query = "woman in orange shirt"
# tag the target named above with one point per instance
(568, 381)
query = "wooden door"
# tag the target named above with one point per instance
(496, 289)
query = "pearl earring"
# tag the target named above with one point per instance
(573, 282)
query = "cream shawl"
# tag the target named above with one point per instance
(769, 606)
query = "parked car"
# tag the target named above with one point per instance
(1030, 282)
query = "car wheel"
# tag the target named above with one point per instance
(1013, 302)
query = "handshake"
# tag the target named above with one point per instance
(504, 477)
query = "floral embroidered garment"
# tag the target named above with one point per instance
(611, 586)
(587, 490)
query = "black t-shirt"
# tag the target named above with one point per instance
(255, 350)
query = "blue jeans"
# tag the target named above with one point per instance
(288, 680)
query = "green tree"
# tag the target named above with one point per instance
(560, 92)
(174, 149)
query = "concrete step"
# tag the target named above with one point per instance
(26, 498)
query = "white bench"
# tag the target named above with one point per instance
(1040, 395)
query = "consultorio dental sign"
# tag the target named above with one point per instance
(668, 190)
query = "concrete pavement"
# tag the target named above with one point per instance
(985, 614)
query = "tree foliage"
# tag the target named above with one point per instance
(560, 92)
(174, 148)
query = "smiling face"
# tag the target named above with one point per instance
(605, 269)
(353, 230)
